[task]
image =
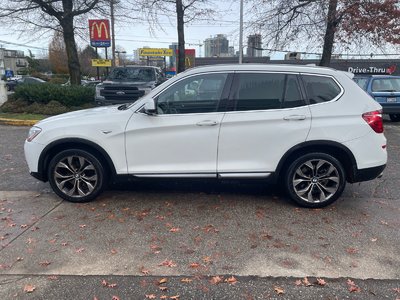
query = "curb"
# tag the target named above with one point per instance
(15, 122)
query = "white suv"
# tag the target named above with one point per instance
(309, 128)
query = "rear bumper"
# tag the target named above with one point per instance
(390, 108)
(367, 174)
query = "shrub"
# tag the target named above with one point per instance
(44, 93)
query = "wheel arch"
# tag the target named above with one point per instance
(73, 143)
(337, 150)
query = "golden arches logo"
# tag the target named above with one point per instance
(99, 26)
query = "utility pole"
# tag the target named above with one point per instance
(112, 32)
(241, 34)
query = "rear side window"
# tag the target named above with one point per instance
(362, 82)
(258, 91)
(320, 88)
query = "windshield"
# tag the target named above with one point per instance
(132, 74)
(386, 85)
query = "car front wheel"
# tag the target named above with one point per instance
(315, 180)
(76, 175)
(394, 117)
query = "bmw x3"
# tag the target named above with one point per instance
(310, 129)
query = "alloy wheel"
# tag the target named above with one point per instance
(316, 181)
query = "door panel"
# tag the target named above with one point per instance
(255, 138)
(172, 143)
(183, 136)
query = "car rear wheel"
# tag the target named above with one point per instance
(315, 180)
(395, 117)
(76, 175)
(8, 88)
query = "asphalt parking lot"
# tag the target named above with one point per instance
(196, 239)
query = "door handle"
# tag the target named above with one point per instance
(295, 118)
(207, 123)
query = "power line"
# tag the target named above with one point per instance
(22, 45)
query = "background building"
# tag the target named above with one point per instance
(254, 41)
(13, 60)
(217, 46)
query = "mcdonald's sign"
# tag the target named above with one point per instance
(99, 33)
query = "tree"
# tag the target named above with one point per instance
(85, 58)
(321, 22)
(58, 54)
(59, 15)
(186, 11)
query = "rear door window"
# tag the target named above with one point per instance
(320, 89)
(264, 91)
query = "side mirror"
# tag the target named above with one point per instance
(150, 108)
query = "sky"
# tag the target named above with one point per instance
(132, 36)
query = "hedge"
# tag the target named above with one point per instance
(44, 93)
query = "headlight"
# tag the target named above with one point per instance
(33, 132)
(98, 90)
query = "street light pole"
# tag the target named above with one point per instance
(241, 34)
(112, 32)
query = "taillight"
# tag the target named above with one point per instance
(374, 119)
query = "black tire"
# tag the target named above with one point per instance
(8, 88)
(394, 117)
(319, 175)
(76, 175)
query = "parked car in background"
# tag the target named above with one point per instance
(11, 84)
(128, 84)
(385, 89)
(311, 129)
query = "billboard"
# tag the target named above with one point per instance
(156, 52)
(101, 62)
(99, 33)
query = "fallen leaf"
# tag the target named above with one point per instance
(298, 282)
(82, 226)
(104, 282)
(163, 297)
(174, 297)
(194, 265)
(231, 280)
(144, 271)
(111, 285)
(174, 229)
(29, 288)
(113, 251)
(207, 259)
(321, 282)
(168, 263)
(279, 290)
(163, 288)
(150, 296)
(306, 282)
(162, 281)
(352, 286)
(52, 277)
(24, 226)
(216, 279)
(80, 250)
(115, 298)
(20, 258)
(374, 239)
(44, 263)
(64, 244)
(352, 250)
(186, 280)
